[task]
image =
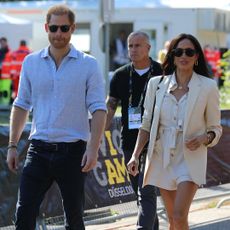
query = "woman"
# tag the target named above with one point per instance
(186, 121)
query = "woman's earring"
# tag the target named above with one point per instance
(196, 62)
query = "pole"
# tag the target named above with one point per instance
(107, 8)
(107, 61)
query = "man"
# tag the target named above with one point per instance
(128, 86)
(60, 85)
(4, 49)
(17, 59)
(5, 72)
(121, 51)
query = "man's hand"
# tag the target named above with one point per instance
(12, 160)
(89, 160)
(133, 166)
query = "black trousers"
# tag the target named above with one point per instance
(146, 197)
(46, 163)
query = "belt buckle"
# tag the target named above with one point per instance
(55, 146)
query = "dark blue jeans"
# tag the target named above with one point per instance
(46, 163)
(146, 198)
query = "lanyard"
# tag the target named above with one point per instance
(131, 70)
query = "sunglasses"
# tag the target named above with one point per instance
(63, 28)
(178, 52)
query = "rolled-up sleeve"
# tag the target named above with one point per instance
(23, 99)
(213, 114)
(95, 95)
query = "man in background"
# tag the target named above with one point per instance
(5, 58)
(4, 49)
(5, 72)
(128, 87)
(120, 56)
(16, 65)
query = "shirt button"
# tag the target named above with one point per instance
(172, 155)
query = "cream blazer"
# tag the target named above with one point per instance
(202, 114)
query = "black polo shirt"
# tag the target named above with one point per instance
(119, 88)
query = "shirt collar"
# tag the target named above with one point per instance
(73, 53)
(173, 83)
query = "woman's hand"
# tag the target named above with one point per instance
(133, 166)
(195, 142)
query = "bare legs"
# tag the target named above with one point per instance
(177, 204)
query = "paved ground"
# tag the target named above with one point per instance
(203, 214)
(208, 219)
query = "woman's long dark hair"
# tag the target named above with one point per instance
(168, 64)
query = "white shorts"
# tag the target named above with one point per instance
(175, 173)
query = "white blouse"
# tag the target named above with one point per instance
(171, 122)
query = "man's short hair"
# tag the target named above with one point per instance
(4, 39)
(22, 43)
(60, 10)
(140, 33)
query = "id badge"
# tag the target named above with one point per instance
(134, 118)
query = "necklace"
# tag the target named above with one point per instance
(181, 87)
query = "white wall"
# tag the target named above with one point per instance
(14, 33)
(168, 22)
(175, 20)
(213, 38)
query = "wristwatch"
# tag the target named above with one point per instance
(210, 136)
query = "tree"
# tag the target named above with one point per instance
(225, 89)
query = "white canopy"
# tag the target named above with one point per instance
(89, 4)
(15, 29)
(8, 19)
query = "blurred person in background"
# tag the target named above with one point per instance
(5, 58)
(4, 49)
(120, 50)
(5, 72)
(213, 57)
(162, 53)
(128, 86)
(16, 65)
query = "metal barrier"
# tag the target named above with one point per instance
(116, 212)
(222, 201)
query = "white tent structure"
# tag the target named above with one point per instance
(208, 20)
(15, 29)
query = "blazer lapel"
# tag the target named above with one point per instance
(194, 90)
(160, 92)
(162, 87)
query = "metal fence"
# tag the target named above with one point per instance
(92, 216)
(118, 211)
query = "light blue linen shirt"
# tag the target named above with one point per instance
(60, 99)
